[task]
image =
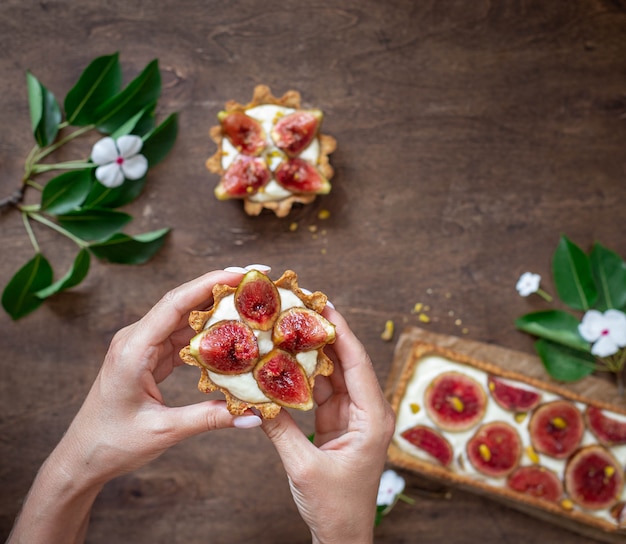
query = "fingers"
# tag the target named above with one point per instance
(290, 443)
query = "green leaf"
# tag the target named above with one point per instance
(158, 143)
(555, 325)
(66, 192)
(74, 276)
(99, 82)
(94, 223)
(609, 271)
(124, 249)
(562, 363)
(141, 121)
(140, 93)
(18, 298)
(104, 197)
(45, 114)
(572, 276)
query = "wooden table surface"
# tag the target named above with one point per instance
(471, 135)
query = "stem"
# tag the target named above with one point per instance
(545, 296)
(61, 142)
(44, 221)
(30, 232)
(34, 184)
(70, 165)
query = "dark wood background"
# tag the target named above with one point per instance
(471, 135)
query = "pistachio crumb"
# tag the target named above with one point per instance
(312, 228)
(293, 226)
(387, 334)
(485, 452)
(457, 404)
(323, 251)
(558, 422)
(417, 308)
(532, 454)
(465, 330)
(414, 407)
(520, 416)
(458, 322)
(323, 214)
(424, 318)
(567, 504)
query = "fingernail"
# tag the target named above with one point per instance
(260, 267)
(247, 422)
(235, 269)
(329, 303)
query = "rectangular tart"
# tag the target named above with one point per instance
(421, 357)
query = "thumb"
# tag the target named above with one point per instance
(293, 447)
(187, 421)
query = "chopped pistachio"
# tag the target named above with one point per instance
(387, 334)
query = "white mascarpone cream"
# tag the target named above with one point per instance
(244, 386)
(268, 115)
(426, 370)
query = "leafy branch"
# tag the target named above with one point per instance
(80, 203)
(592, 337)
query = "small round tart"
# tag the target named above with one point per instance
(270, 153)
(261, 344)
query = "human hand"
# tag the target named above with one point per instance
(334, 482)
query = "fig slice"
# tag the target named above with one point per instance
(511, 397)
(244, 132)
(300, 329)
(495, 449)
(593, 478)
(245, 177)
(536, 481)
(455, 402)
(430, 441)
(257, 300)
(281, 378)
(608, 430)
(300, 176)
(226, 347)
(294, 132)
(556, 428)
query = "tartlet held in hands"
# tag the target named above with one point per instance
(270, 153)
(261, 344)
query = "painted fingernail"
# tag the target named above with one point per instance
(329, 303)
(235, 269)
(260, 267)
(247, 422)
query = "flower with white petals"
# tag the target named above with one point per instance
(390, 487)
(528, 284)
(606, 331)
(118, 160)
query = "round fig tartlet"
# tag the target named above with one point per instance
(261, 344)
(270, 153)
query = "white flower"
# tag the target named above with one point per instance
(606, 331)
(119, 160)
(391, 485)
(528, 284)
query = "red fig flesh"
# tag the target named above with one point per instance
(283, 380)
(300, 329)
(495, 449)
(608, 430)
(257, 300)
(244, 132)
(455, 402)
(226, 347)
(556, 428)
(431, 442)
(294, 132)
(512, 398)
(536, 481)
(593, 478)
(244, 178)
(300, 176)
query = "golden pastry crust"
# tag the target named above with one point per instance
(315, 301)
(291, 99)
(561, 513)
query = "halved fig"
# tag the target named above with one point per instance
(281, 378)
(495, 449)
(300, 329)
(300, 176)
(608, 430)
(536, 481)
(226, 347)
(244, 132)
(257, 300)
(511, 397)
(455, 402)
(430, 441)
(294, 132)
(244, 178)
(593, 478)
(556, 428)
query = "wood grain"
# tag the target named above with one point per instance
(471, 135)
